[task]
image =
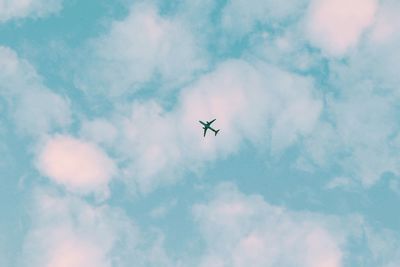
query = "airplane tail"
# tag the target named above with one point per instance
(216, 131)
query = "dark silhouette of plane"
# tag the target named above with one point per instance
(207, 125)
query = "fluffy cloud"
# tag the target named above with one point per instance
(245, 230)
(80, 166)
(35, 109)
(335, 26)
(361, 136)
(142, 47)
(379, 57)
(67, 231)
(71, 250)
(242, 230)
(28, 8)
(386, 24)
(251, 102)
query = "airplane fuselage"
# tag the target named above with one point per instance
(207, 125)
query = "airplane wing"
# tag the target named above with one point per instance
(212, 121)
(205, 130)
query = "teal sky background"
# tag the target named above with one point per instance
(104, 162)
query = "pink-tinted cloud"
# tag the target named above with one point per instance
(257, 103)
(79, 166)
(69, 232)
(71, 250)
(387, 24)
(335, 26)
(244, 230)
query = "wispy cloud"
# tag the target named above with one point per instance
(28, 8)
(361, 134)
(312, 80)
(34, 108)
(245, 230)
(240, 17)
(252, 102)
(163, 209)
(141, 47)
(241, 230)
(361, 140)
(67, 231)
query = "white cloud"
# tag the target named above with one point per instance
(339, 182)
(240, 16)
(143, 46)
(379, 57)
(335, 26)
(244, 230)
(99, 131)
(72, 250)
(28, 8)
(387, 23)
(258, 103)
(251, 101)
(384, 246)
(361, 135)
(149, 145)
(80, 166)
(287, 48)
(36, 109)
(67, 231)
(364, 123)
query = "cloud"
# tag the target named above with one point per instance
(17, 9)
(163, 209)
(3, 256)
(386, 23)
(239, 229)
(72, 250)
(359, 136)
(244, 230)
(335, 26)
(67, 231)
(144, 46)
(339, 182)
(240, 17)
(99, 131)
(80, 166)
(383, 246)
(252, 102)
(361, 133)
(379, 57)
(35, 109)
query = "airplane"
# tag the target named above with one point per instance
(207, 125)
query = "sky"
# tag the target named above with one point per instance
(104, 163)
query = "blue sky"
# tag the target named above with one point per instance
(103, 159)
